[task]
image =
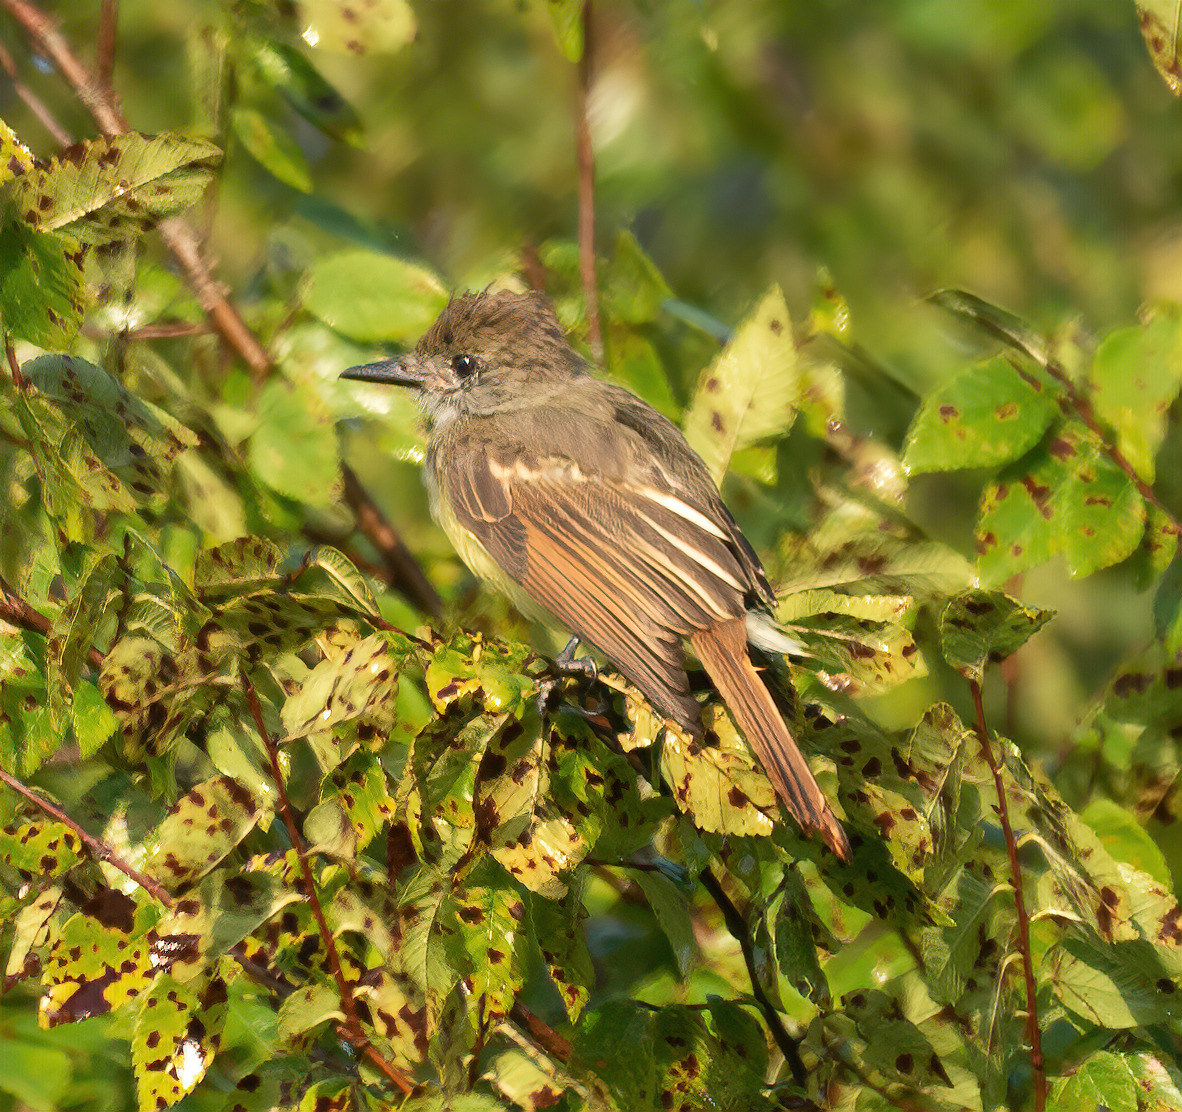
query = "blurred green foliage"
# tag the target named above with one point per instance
(193, 582)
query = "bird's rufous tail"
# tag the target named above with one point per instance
(723, 652)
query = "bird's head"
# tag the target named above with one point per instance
(486, 353)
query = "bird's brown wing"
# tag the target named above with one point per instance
(630, 569)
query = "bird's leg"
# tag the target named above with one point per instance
(566, 665)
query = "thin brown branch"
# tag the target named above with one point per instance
(180, 238)
(17, 612)
(585, 156)
(1033, 1030)
(737, 925)
(351, 1028)
(105, 45)
(403, 571)
(18, 379)
(32, 101)
(98, 849)
(542, 1033)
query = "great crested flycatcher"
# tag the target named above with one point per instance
(580, 500)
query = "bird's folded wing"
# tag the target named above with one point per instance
(630, 569)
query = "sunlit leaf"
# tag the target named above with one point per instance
(749, 393)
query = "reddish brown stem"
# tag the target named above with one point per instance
(585, 155)
(542, 1033)
(105, 47)
(15, 610)
(97, 848)
(14, 367)
(1033, 1030)
(351, 1029)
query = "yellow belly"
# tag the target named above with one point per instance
(477, 557)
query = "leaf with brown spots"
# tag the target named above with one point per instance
(43, 849)
(111, 187)
(178, 1030)
(200, 829)
(42, 294)
(978, 628)
(983, 417)
(357, 682)
(490, 918)
(558, 928)
(749, 394)
(91, 969)
(358, 27)
(1066, 497)
(1159, 25)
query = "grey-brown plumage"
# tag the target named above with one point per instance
(580, 497)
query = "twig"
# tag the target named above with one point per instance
(34, 103)
(99, 849)
(351, 1028)
(18, 379)
(1033, 1030)
(15, 610)
(105, 49)
(542, 1033)
(181, 241)
(585, 155)
(736, 924)
(405, 575)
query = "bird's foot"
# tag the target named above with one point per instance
(567, 666)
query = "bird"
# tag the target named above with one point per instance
(585, 505)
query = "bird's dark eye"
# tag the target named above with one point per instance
(463, 365)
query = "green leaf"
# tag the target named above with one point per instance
(108, 188)
(559, 930)
(285, 68)
(1117, 986)
(986, 416)
(41, 290)
(794, 933)
(295, 450)
(567, 19)
(984, 627)
(94, 721)
(1135, 377)
(308, 1008)
(634, 289)
(1102, 1081)
(671, 909)
(374, 298)
(375, 27)
(1065, 497)
(1159, 25)
(749, 393)
(272, 147)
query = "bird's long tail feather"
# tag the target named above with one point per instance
(723, 652)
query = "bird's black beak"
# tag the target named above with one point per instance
(404, 370)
